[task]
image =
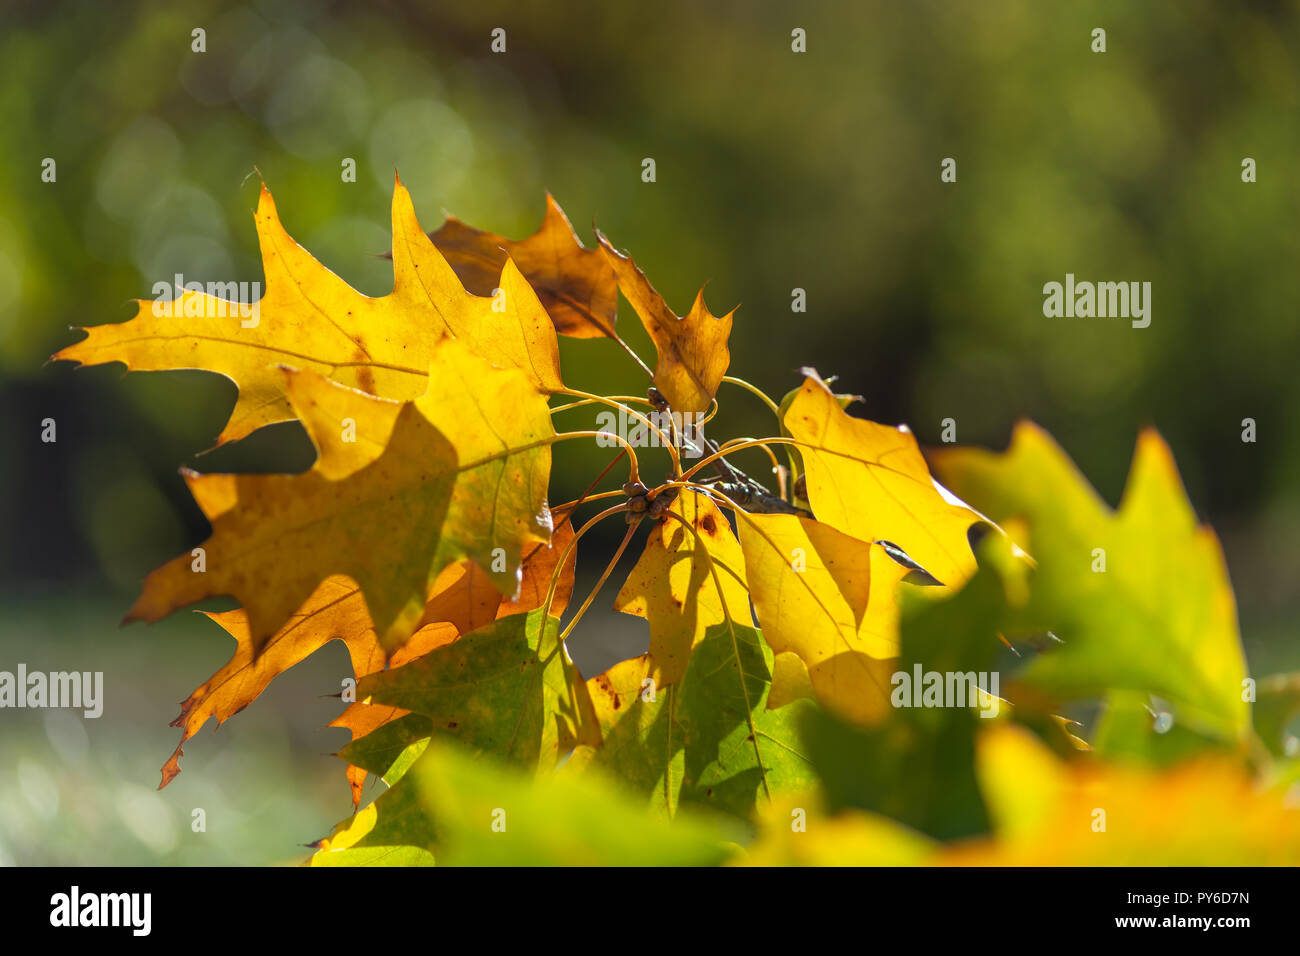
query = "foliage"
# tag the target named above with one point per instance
(770, 719)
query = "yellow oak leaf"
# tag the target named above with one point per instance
(309, 318)
(463, 475)
(672, 586)
(830, 599)
(576, 285)
(693, 352)
(870, 481)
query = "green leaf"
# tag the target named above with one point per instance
(507, 689)
(711, 740)
(642, 739)
(476, 811)
(1160, 619)
(738, 753)
(918, 767)
(1130, 728)
(379, 750)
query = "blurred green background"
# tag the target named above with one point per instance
(775, 170)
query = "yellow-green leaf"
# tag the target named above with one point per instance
(1139, 596)
(673, 587)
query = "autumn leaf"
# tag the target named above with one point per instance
(463, 475)
(1045, 812)
(870, 481)
(463, 600)
(311, 319)
(575, 285)
(641, 738)
(790, 680)
(335, 611)
(1160, 618)
(1205, 812)
(375, 745)
(796, 462)
(508, 688)
(693, 352)
(711, 741)
(846, 838)
(829, 599)
(673, 587)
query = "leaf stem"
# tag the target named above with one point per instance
(613, 403)
(592, 401)
(634, 470)
(564, 556)
(570, 506)
(732, 380)
(622, 546)
(742, 443)
(636, 358)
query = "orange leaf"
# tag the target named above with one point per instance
(693, 353)
(575, 285)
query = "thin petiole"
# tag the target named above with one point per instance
(622, 546)
(573, 542)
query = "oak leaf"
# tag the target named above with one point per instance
(574, 284)
(1157, 615)
(463, 809)
(463, 474)
(1203, 812)
(309, 318)
(831, 600)
(508, 689)
(870, 481)
(672, 585)
(710, 741)
(693, 352)
(463, 599)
